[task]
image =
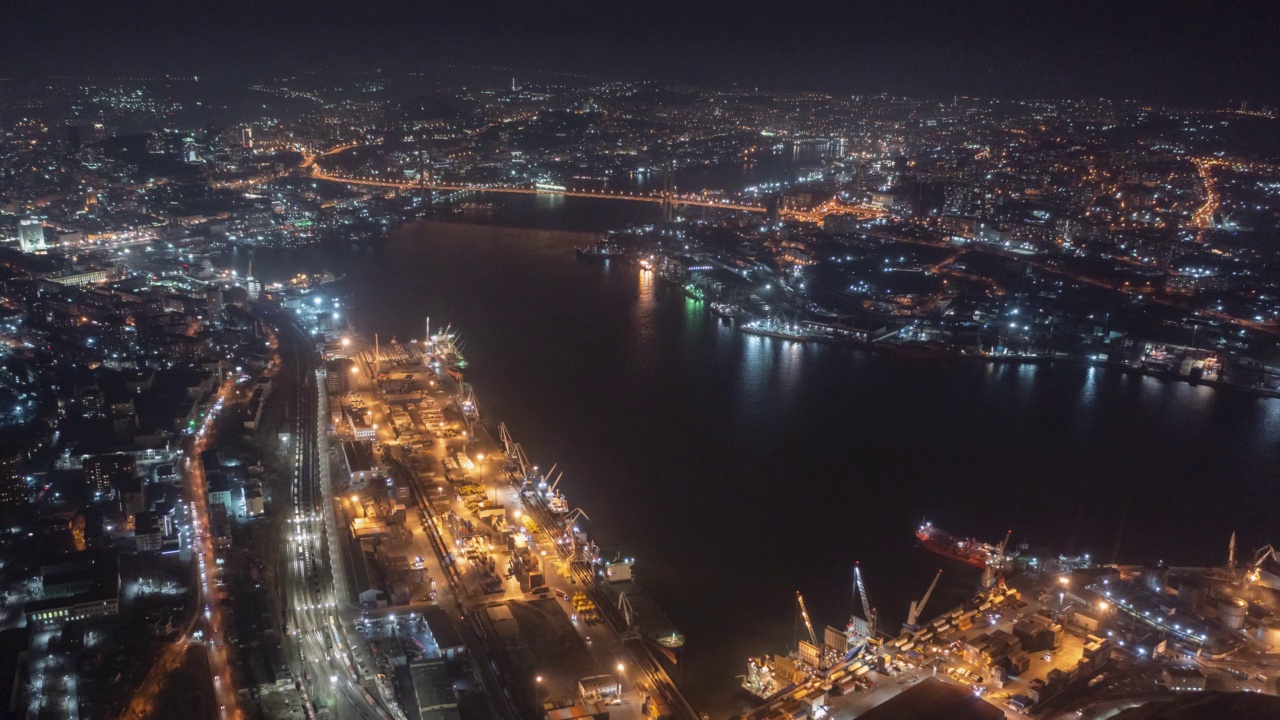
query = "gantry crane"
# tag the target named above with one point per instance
(913, 614)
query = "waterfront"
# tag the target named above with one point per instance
(738, 469)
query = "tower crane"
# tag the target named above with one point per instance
(913, 614)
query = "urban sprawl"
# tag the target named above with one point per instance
(220, 491)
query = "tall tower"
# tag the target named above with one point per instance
(668, 207)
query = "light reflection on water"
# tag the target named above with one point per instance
(748, 467)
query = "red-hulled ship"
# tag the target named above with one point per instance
(966, 550)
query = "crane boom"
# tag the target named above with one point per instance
(918, 605)
(813, 637)
(866, 603)
(1255, 570)
(1000, 556)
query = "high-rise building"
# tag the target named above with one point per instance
(13, 484)
(31, 235)
(101, 469)
(213, 296)
(190, 152)
(252, 285)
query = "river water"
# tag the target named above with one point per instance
(740, 469)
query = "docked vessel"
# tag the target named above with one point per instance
(599, 251)
(924, 351)
(774, 328)
(476, 207)
(727, 310)
(966, 550)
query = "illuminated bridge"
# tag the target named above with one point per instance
(664, 198)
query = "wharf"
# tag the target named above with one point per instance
(494, 537)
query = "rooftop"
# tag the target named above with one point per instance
(933, 699)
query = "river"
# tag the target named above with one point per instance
(739, 469)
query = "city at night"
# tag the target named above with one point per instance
(665, 361)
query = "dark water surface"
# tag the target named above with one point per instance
(740, 469)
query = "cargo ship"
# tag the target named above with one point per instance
(966, 550)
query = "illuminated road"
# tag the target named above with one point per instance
(210, 617)
(1203, 217)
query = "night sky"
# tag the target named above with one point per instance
(1175, 52)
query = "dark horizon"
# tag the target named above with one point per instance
(1184, 54)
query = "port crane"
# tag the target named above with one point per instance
(913, 614)
(813, 636)
(466, 400)
(568, 535)
(508, 442)
(629, 617)
(1255, 571)
(804, 615)
(861, 631)
(996, 564)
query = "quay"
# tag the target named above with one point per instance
(464, 522)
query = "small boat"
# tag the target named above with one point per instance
(727, 310)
